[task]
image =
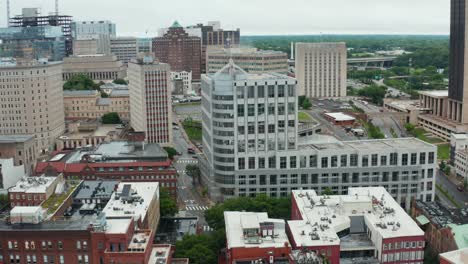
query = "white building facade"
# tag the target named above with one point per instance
(321, 69)
(251, 146)
(150, 100)
(186, 78)
(93, 27)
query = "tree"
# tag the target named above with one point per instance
(171, 152)
(193, 171)
(374, 92)
(306, 104)
(167, 204)
(120, 81)
(409, 127)
(80, 82)
(111, 118)
(201, 249)
(327, 191)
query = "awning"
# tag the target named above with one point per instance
(422, 219)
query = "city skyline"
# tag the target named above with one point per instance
(310, 17)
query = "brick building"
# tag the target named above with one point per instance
(446, 229)
(123, 161)
(121, 232)
(365, 224)
(178, 49)
(32, 191)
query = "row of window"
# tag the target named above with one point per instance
(46, 244)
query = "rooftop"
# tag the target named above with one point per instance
(325, 216)
(456, 257)
(96, 190)
(119, 93)
(339, 116)
(103, 101)
(244, 51)
(160, 254)
(79, 93)
(404, 105)
(100, 131)
(246, 229)
(33, 184)
(441, 93)
(131, 200)
(397, 144)
(15, 138)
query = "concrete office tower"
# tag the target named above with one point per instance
(458, 76)
(251, 146)
(178, 49)
(31, 101)
(92, 28)
(251, 60)
(321, 69)
(91, 44)
(125, 48)
(150, 99)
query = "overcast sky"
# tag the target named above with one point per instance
(258, 17)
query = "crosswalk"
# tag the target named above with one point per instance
(181, 171)
(187, 161)
(196, 208)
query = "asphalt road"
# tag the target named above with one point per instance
(460, 197)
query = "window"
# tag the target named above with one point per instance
(250, 92)
(261, 163)
(241, 130)
(78, 244)
(393, 159)
(324, 162)
(414, 157)
(365, 160)
(261, 91)
(241, 163)
(334, 161)
(283, 163)
(302, 161)
(374, 159)
(280, 90)
(292, 162)
(404, 159)
(272, 162)
(271, 108)
(271, 128)
(251, 163)
(313, 161)
(291, 108)
(291, 89)
(261, 109)
(251, 128)
(383, 160)
(251, 110)
(353, 160)
(261, 127)
(431, 158)
(344, 160)
(240, 93)
(240, 110)
(271, 91)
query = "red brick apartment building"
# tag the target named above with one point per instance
(121, 232)
(123, 161)
(178, 49)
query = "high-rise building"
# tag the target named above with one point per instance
(251, 146)
(249, 59)
(150, 99)
(321, 69)
(32, 101)
(92, 28)
(33, 42)
(31, 18)
(144, 45)
(180, 50)
(91, 44)
(125, 48)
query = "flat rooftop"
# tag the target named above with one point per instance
(440, 93)
(237, 222)
(33, 184)
(118, 151)
(456, 257)
(397, 144)
(101, 131)
(339, 116)
(160, 254)
(405, 105)
(131, 200)
(4, 139)
(325, 216)
(95, 190)
(79, 93)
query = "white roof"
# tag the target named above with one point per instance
(456, 256)
(325, 216)
(441, 93)
(140, 196)
(236, 222)
(339, 116)
(33, 184)
(117, 226)
(25, 210)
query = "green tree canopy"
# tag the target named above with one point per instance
(201, 249)
(171, 152)
(80, 82)
(193, 171)
(374, 92)
(120, 81)
(111, 118)
(167, 203)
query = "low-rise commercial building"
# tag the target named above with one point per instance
(445, 228)
(21, 148)
(340, 119)
(251, 60)
(97, 67)
(87, 134)
(252, 237)
(117, 160)
(364, 224)
(32, 191)
(88, 104)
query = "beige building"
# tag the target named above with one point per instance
(321, 69)
(84, 133)
(91, 44)
(150, 99)
(21, 148)
(97, 67)
(31, 101)
(250, 60)
(125, 48)
(88, 104)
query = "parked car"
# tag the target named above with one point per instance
(190, 151)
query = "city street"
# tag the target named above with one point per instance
(445, 183)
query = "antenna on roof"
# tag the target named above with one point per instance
(8, 12)
(56, 8)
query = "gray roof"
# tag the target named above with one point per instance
(79, 92)
(15, 138)
(119, 92)
(96, 189)
(103, 101)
